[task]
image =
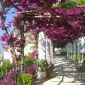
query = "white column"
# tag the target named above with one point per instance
(41, 46)
(74, 48)
(45, 48)
(67, 50)
(48, 56)
(51, 52)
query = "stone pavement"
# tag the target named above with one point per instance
(64, 73)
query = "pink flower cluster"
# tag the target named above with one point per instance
(70, 24)
(34, 54)
(8, 79)
(31, 69)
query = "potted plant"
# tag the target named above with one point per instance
(49, 70)
(42, 68)
(45, 69)
(25, 79)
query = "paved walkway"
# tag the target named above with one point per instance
(65, 73)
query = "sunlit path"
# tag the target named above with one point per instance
(65, 73)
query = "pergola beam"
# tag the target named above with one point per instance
(35, 16)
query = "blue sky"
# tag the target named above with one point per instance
(8, 18)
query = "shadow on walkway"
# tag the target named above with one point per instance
(65, 72)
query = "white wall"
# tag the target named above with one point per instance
(28, 49)
(45, 48)
(8, 56)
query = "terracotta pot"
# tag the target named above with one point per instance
(42, 75)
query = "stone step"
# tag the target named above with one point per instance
(72, 74)
(71, 84)
(63, 80)
(62, 83)
(67, 79)
(72, 80)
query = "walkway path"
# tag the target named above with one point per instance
(65, 73)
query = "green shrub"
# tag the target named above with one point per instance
(2, 73)
(80, 2)
(76, 58)
(83, 56)
(25, 79)
(43, 64)
(81, 69)
(4, 68)
(28, 61)
(45, 67)
(70, 4)
(63, 53)
(6, 64)
(67, 4)
(49, 70)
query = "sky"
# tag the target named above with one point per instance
(8, 18)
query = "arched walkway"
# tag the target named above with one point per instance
(65, 73)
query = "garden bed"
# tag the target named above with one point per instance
(80, 68)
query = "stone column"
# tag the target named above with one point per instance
(45, 48)
(51, 52)
(41, 46)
